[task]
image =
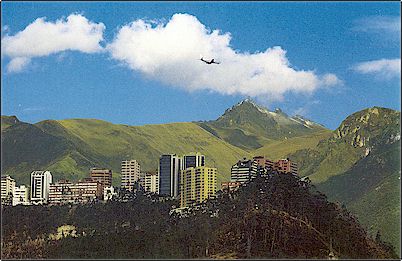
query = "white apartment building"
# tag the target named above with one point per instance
(151, 182)
(21, 196)
(40, 185)
(7, 189)
(130, 173)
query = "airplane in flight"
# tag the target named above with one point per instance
(209, 62)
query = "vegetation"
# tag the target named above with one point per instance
(360, 166)
(279, 216)
(250, 126)
(69, 148)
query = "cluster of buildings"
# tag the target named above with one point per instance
(43, 190)
(183, 177)
(11, 194)
(246, 170)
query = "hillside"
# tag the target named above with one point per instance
(279, 216)
(68, 148)
(250, 126)
(281, 148)
(357, 164)
(7, 121)
(360, 166)
(358, 134)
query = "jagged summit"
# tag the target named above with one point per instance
(248, 102)
(278, 115)
(248, 124)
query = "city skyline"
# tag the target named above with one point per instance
(338, 62)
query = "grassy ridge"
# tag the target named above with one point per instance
(147, 143)
(280, 148)
(368, 184)
(69, 148)
(371, 189)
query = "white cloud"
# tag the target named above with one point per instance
(18, 64)
(386, 68)
(42, 38)
(170, 53)
(379, 24)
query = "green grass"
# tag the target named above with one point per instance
(281, 148)
(146, 143)
(338, 160)
(371, 190)
(385, 210)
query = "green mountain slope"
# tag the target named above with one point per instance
(281, 148)
(147, 143)
(251, 126)
(357, 134)
(360, 167)
(69, 148)
(7, 121)
(371, 189)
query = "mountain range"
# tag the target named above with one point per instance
(357, 164)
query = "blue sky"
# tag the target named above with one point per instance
(133, 82)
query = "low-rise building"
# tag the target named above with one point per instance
(64, 191)
(21, 196)
(230, 186)
(286, 166)
(104, 176)
(109, 193)
(7, 189)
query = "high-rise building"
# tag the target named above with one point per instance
(151, 182)
(130, 173)
(40, 185)
(7, 189)
(104, 176)
(21, 195)
(244, 171)
(169, 169)
(193, 160)
(197, 184)
(64, 191)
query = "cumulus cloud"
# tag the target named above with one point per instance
(386, 68)
(170, 52)
(42, 38)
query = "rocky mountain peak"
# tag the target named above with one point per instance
(370, 126)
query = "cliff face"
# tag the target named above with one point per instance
(370, 127)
